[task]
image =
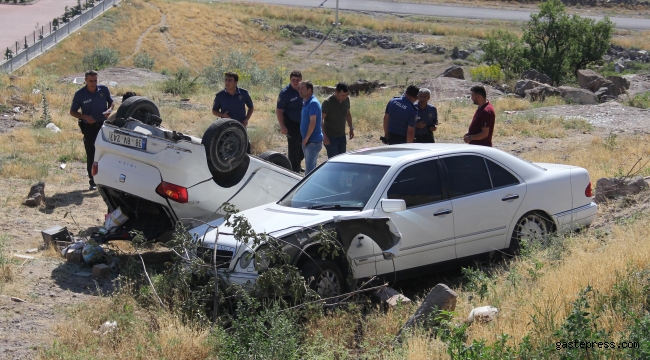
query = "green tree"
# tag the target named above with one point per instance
(558, 44)
(505, 49)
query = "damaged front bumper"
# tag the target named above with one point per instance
(246, 280)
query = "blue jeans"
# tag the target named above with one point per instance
(311, 155)
(336, 146)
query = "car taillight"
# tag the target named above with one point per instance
(95, 169)
(172, 192)
(588, 191)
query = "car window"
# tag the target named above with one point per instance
(336, 186)
(467, 175)
(417, 184)
(500, 176)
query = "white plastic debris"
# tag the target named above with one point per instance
(112, 83)
(78, 80)
(62, 166)
(115, 219)
(106, 328)
(36, 91)
(53, 128)
(483, 314)
(17, 109)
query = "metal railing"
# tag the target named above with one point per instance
(25, 52)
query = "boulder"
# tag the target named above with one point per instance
(542, 92)
(621, 84)
(578, 96)
(364, 86)
(598, 83)
(587, 76)
(522, 85)
(36, 195)
(454, 72)
(605, 93)
(324, 90)
(441, 297)
(535, 75)
(610, 188)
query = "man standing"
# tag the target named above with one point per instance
(400, 117)
(231, 102)
(310, 126)
(288, 112)
(427, 118)
(94, 101)
(336, 112)
(482, 126)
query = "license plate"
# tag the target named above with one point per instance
(126, 140)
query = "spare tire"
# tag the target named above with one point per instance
(276, 158)
(225, 143)
(137, 107)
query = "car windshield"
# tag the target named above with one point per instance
(336, 186)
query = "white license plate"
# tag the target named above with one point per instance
(126, 140)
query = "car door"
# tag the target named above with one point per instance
(427, 224)
(485, 196)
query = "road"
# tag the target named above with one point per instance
(18, 21)
(441, 10)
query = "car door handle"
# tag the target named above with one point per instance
(442, 212)
(510, 197)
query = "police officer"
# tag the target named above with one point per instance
(231, 102)
(94, 101)
(427, 118)
(288, 111)
(400, 117)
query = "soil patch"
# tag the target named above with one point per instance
(610, 115)
(123, 76)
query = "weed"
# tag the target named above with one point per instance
(6, 273)
(181, 84)
(297, 41)
(144, 61)
(46, 117)
(641, 100)
(478, 281)
(488, 74)
(100, 58)
(250, 73)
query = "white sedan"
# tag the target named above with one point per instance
(409, 209)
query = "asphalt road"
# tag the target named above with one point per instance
(441, 10)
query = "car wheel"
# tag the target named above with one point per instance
(137, 107)
(324, 277)
(225, 144)
(276, 158)
(532, 228)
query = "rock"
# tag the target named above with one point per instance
(621, 84)
(101, 271)
(522, 85)
(324, 90)
(535, 75)
(364, 86)
(454, 72)
(483, 314)
(391, 297)
(53, 128)
(605, 93)
(610, 188)
(26, 257)
(36, 195)
(598, 83)
(542, 92)
(587, 76)
(441, 297)
(15, 299)
(32, 251)
(578, 96)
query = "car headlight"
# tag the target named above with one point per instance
(245, 260)
(262, 261)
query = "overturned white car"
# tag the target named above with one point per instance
(159, 176)
(408, 210)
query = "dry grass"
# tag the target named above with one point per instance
(632, 39)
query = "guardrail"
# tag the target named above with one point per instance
(45, 42)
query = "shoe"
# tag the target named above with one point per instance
(92, 185)
(302, 169)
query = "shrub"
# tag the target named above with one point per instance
(505, 50)
(100, 58)
(489, 74)
(181, 84)
(250, 73)
(640, 100)
(144, 61)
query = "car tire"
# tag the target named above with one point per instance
(533, 227)
(324, 277)
(276, 158)
(225, 143)
(137, 107)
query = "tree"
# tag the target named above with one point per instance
(505, 49)
(559, 45)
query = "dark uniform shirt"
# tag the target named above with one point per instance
(290, 103)
(484, 117)
(402, 113)
(428, 115)
(93, 104)
(235, 104)
(336, 111)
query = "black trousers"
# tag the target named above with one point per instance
(424, 139)
(90, 132)
(294, 143)
(394, 139)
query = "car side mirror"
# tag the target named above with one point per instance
(393, 205)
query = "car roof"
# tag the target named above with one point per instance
(393, 154)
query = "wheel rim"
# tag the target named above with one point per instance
(532, 228)
(228, 145)
(328, 284)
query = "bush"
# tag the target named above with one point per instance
(641, 100)
(248, 70)
(144, 61)
(181, 84)
(505, 50)
(489, 74)
(100, 58)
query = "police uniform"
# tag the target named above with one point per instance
(235, 105)
(429, 116)
(290, 103)
(93, 104)
(402, 113)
